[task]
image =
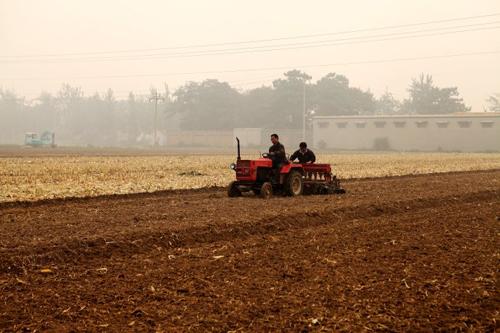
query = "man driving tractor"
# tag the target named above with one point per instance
(304, 155)
(277, 155)
(277, 152)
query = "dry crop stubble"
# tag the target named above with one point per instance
(34, 178)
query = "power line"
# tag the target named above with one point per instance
(321, 43)
(252, 81)
(263, 69)
(262, 40)
(355, 40)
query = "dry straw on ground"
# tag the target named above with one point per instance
(36, 178)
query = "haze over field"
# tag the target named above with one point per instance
(130, 74)
(78, 33)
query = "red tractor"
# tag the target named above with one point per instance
(294, 179)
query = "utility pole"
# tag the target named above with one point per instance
(304, 111)
(155, 97)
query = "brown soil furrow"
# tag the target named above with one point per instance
(109, 218)
(203, 191)
(397, 254)
(19, 259)
(395, 273)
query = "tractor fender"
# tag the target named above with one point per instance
(286, 169)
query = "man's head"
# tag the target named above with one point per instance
(275, 138)
(303, 147)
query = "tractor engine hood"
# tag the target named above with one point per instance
(247, 169)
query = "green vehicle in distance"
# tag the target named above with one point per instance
(47, 139)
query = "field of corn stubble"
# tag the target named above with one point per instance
(398, 254)
(45, 177)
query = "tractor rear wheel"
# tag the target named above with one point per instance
(294, 184)
(266, 190)
(233, 190)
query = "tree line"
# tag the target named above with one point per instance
(102, 119)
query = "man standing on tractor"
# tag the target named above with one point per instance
(304, 154)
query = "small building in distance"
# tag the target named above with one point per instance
(467, 132)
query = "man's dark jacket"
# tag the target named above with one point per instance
(277, 154)
(306, 157)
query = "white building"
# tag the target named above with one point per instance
(454, 132)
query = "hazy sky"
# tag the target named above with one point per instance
(69, 30)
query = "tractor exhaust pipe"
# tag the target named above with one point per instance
(238, 144)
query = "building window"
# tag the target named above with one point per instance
(342, 124)
(442, 124)
(380, 124)
(422, 124)
(486, 124)
(360, 124)
(323, 124)
(464, 123)
(400, 124)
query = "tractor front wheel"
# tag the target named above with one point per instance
(266, 190)
(233, 190)
(294, 184)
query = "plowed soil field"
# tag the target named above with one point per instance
(410, 253)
